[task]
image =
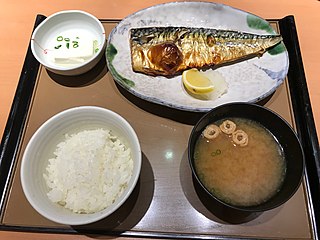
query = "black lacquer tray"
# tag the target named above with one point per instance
(165, 203)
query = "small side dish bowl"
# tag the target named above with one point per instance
(62, 43)
(43, 144)
(283, 137)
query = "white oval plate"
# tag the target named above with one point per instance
(248, 81)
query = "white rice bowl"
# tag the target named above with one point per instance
(75, 185)
(91, 170)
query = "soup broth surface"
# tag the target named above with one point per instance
(241, 175)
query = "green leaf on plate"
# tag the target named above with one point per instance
(261, 24)
(258, 23)
(111, 53)
(279, 48)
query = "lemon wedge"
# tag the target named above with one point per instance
(196, 82)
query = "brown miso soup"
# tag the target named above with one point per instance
(241, 175)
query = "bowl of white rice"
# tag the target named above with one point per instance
(81, 165)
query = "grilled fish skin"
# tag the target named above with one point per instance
(168, 51)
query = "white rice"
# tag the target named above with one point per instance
(90, 170)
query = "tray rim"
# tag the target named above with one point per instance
(300, 101)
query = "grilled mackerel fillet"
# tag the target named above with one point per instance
(167, 51)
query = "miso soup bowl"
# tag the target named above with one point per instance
(283, 133)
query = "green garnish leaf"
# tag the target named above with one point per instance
(95, 46)
(75, 44)
(216, 153)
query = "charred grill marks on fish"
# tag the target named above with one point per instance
(169, 50)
